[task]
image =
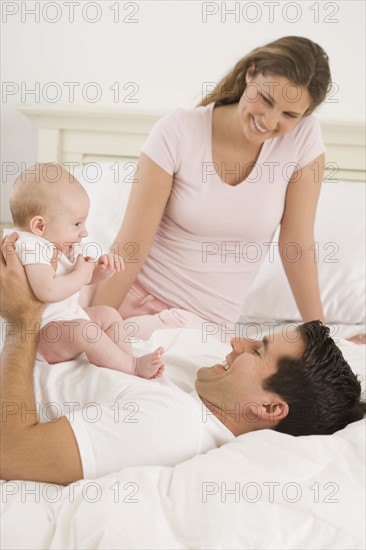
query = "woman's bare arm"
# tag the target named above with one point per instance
(145, 209)
(297, 227)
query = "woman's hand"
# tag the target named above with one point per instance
(358, 339)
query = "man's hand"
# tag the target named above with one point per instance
(107, 265)
(18, 302)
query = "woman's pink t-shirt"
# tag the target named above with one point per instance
(212, 238)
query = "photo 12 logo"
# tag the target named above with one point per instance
(269, 491)
(69, 92)
(92, 412)
(269, 12)
(71, 12)
(88, 491)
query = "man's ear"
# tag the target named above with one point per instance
(270, 413)
(275, 411)
(249, 73)
(37, 225)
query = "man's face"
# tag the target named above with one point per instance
(239, 388)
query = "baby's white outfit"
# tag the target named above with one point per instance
(32, 249)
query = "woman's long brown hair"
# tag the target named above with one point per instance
(296, 58)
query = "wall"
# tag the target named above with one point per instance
(157, 55)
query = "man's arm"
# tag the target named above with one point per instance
(29, 450)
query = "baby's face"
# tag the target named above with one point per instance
(66, 222)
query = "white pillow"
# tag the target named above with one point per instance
(108, 186)
(340, 234)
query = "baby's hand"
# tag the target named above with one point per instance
(86, 267)
(110, 264)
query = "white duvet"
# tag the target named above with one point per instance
(263, 490)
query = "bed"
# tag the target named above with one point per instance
(264, 489)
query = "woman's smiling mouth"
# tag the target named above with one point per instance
(259, 128)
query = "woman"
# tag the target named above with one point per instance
(214, 183)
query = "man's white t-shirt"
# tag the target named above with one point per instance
(120, 420)
(147, 423)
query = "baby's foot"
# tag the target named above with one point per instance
(150, 365)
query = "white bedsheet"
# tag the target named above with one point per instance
(263, 490)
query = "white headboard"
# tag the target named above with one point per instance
(81, 135)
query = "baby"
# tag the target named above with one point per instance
(50, 208)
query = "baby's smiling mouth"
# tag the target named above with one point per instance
(72, 249)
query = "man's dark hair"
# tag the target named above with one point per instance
(322, 392)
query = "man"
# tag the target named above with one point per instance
(298, 384)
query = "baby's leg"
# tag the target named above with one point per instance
(112, 324)
(64, 340)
